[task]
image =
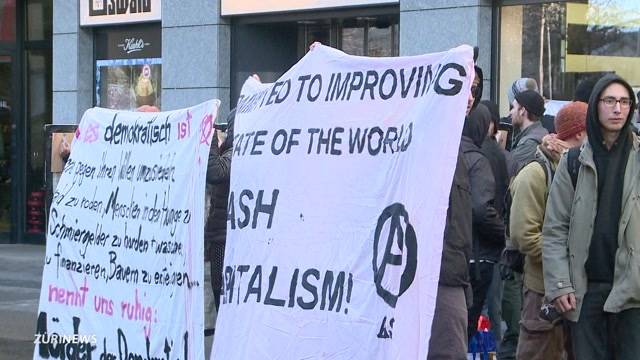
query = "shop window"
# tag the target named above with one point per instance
(382, 39)
(129, 67)
(362, 36)
(312, 31)
(352, 39)
(561, 43)
(282, 44)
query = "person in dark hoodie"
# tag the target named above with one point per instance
(218, 175)
(503, 169)
(448, 330)
(488, 225)
(500, 159)
(590, 263)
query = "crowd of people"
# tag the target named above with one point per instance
(545, 218)
(540, 231)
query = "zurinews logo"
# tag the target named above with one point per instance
(69, 339)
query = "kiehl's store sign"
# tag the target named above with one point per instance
(106, 12)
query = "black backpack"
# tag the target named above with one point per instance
(513, 259)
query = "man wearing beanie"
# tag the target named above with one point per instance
(570, 122)
(526, 109)
(517, 87)
(590, 263)
(540, 339)
(520, 85)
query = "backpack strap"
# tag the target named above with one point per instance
(543, 165)
(573, 165)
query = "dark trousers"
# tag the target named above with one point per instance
(494, 305)
(511, 307)
(448, 336)
(599, 335)
(216, 254)
(481, 275)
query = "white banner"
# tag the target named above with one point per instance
(339, 190)
(123, 271)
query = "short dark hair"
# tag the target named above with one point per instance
(532, 118)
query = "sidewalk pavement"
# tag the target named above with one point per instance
(20, 279)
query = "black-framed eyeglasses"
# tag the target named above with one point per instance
(610, 101)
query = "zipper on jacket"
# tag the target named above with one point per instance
(573, 284)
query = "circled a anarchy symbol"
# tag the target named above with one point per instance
(206, 127)
(401, 231)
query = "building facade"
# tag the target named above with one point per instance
(25, 107)
(61, 57)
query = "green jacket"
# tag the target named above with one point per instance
(529, 192)
(568, 228)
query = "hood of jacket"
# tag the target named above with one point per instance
(228, 142)
(594, 131)
(476, 125)
(478, 94)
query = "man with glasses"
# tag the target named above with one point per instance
(591, 234)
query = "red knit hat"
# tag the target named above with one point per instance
(571, 119)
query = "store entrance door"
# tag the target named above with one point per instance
(270, 48)
(6, 129)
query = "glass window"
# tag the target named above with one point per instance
(7, 20)
(362, 36)
(561, 43)
(39, 19)
(5, 143)
(352, 39)
(129, 67)
(38, 114)
(310, 31)
(318, 32)
(127, 84)
(382, 38)
(285, 43)
(370, 36)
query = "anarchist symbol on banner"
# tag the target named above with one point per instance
(401, 232)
